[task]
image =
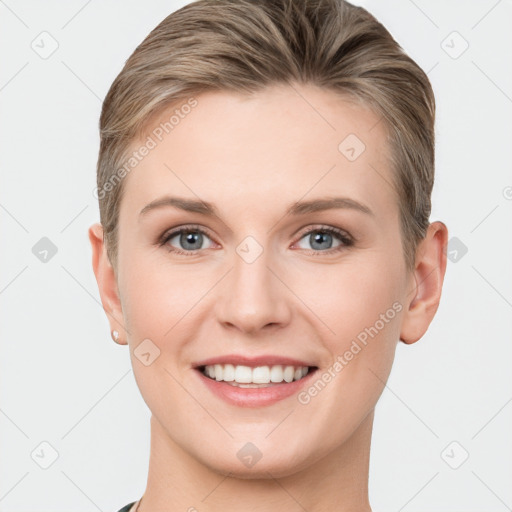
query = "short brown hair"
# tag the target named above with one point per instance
(245, 45)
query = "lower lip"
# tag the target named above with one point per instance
(254, 397)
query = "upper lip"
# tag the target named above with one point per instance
(264, 360)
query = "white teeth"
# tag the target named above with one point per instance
(229, 373)
(276, 374)
(288, 373)
(243, 374)
(259, 375)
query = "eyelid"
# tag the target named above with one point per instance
(184, 227)
(327, 228)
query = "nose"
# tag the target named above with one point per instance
(253, 297)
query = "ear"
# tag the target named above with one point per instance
(428, 277)
(107, 283)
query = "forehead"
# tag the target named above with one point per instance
(284, 142)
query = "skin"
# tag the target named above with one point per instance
(253, 157)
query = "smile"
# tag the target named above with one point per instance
(261, 381)
(259, 376)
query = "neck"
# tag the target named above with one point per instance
(178, 482)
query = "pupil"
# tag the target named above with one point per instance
(191, 238)
(318, 238)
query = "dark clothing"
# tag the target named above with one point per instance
(128, 507)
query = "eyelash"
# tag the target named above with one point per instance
(346, 239)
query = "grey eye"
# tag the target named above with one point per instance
(320, 240)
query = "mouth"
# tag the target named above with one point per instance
(243, 376)
(254, 382)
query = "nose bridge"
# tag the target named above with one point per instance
(252, 296)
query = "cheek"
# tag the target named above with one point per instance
(349, 298)
(157, 299)
(157, 308)
(362, 306)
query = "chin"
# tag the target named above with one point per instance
(260, 471)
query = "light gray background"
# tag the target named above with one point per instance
(63, 380)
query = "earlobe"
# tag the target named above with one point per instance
(107, 284)
(428, 276)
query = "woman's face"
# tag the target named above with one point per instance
(300, 264)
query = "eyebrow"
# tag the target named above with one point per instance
(298, 208)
